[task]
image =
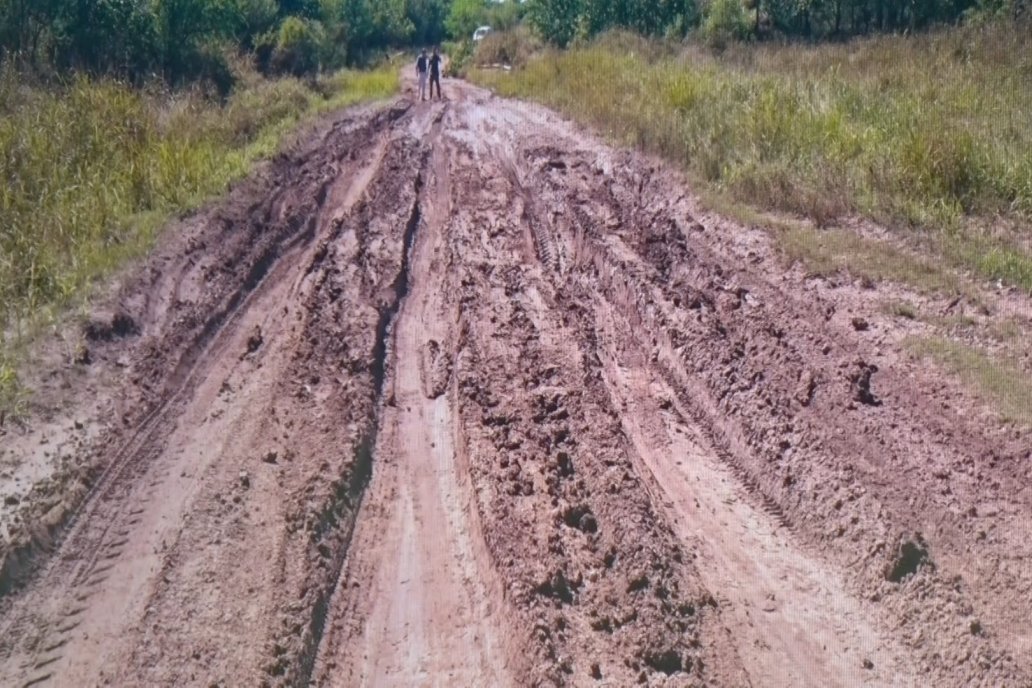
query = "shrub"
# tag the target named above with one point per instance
(725, 22)
(512, 48)
(460, 54)
(298, 45)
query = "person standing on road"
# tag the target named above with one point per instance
(435, 74)
(422, 65)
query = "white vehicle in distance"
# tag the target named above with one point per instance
(479, 34)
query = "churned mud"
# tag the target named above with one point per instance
(454, 394)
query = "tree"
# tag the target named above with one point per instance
(556, 20)
(464, 18)
(427, 20)
(559, 21)
(725, 22)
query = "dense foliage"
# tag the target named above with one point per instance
(183, 40)
(189, 39)
(560, 21)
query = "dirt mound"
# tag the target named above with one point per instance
(453, 393)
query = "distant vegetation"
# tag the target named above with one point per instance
(186, 40)
(562, 21)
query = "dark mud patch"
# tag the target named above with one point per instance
(911, 556)
(108, 328)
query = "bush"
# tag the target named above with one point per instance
(299, 43)
(512, 48)
(725, 22)
(460, 54)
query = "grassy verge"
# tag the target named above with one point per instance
(928, 134)
(830, 251)
(1001, 384)
(93, 169)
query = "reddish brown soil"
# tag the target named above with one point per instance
(453, 394)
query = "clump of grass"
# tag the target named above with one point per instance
(11, 392)
(901, 309)
(1008, 330)
(92, 169)
(926, 134)
(1003, 385)
(831, 251)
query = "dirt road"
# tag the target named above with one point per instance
(454, 394)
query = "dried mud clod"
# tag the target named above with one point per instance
(435, 368)
(254, 340)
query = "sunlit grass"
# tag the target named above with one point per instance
(929, 135)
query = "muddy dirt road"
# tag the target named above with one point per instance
(453, 394)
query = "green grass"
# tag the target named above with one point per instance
(1003, 385)
(901, 309)
(825, 252)
(93, 169)
(11, 393)
(928, 135)
(830, 251)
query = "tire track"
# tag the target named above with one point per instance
(139, 471)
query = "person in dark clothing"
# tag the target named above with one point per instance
(435, 73)
(422, 64)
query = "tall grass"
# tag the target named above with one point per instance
(91, 169)
(929, 133)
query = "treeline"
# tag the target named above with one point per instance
(561, 21)
(183, 40)
(832, 18)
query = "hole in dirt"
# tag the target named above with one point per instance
(558, 587)
(668, 662)
(912, 555)
(565, 464)
(581, 518)
(639, 583)
(101, 330)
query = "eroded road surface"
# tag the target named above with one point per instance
(453, 394)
